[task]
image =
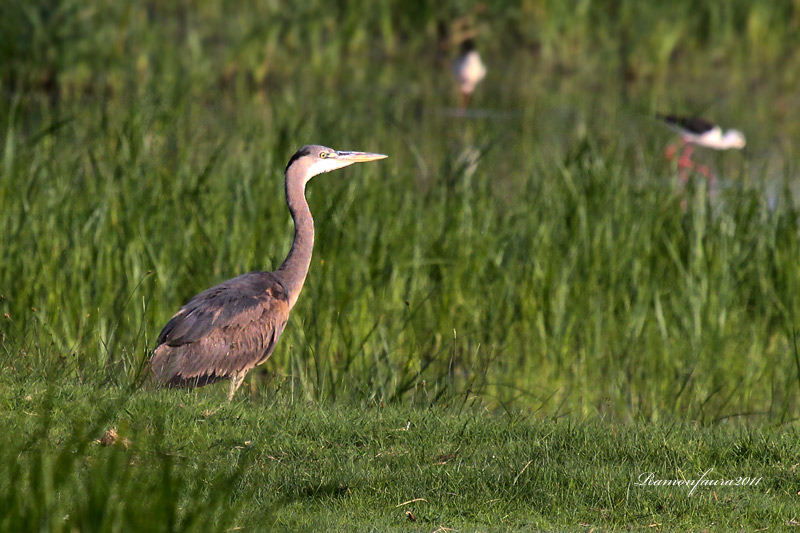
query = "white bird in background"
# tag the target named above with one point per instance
(699, 132)
(469, 69)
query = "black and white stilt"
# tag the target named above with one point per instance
(699, 132)
(469, 70)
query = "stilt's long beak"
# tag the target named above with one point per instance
(358, 157)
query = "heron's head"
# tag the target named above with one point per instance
(313, 159)
(734, 139)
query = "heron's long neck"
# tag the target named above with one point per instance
(294, 269)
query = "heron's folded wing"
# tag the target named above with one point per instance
(230, 303)
(225, 329)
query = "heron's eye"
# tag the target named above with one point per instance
(323, 155)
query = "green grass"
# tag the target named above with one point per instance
(531, 283)
(193, 462)
(566, 279)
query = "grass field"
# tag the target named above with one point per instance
(190, 461)
(527, 285)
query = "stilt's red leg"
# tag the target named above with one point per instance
(702, 169)
(685, 164)
(683, 176)
(669, 153)
(685, 160)
(706, 172)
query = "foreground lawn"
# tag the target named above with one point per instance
(189, 461)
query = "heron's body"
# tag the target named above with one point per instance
(469, 70)
(227, 330)
(223, 332)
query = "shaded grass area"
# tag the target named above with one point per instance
(189, 462)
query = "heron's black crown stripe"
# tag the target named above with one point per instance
(297, 155)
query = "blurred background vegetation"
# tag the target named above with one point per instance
(69, 48)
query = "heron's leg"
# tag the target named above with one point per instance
(236, 381)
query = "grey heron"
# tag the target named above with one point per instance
(227, 330)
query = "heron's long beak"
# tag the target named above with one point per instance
(358, 157)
